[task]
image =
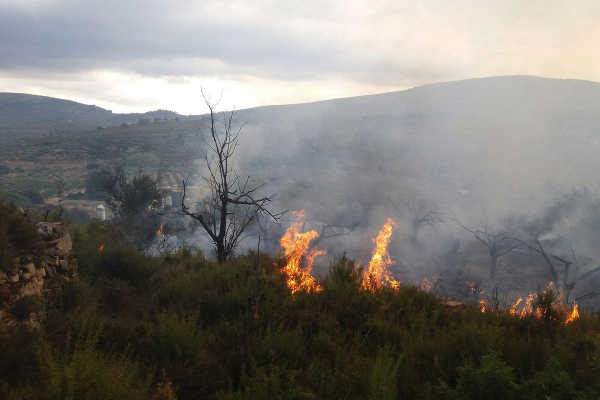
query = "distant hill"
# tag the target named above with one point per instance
(30, 115)
(497, 144)
(487, 152)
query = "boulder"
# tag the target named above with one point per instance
(35, 275)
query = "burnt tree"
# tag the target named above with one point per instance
(498, 244)
(565, 270)
(232, 204)
(420, 213)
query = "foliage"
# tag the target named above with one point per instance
(383, 378)
(183, 326)
(18, 235)
(86, 373)
(492, 380)
(553, 382)
(128, 196)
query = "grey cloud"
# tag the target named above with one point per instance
(298, 41)
(145, 39)
(379, 43)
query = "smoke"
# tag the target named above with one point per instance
(492, 153)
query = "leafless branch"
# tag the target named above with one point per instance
(232, 205)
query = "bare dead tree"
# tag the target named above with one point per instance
(498, 244)
(232, 204)
(565, 270)
(329, 231)
(421, 214)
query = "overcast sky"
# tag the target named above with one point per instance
(134, 55)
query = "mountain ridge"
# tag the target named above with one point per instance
(6, 98)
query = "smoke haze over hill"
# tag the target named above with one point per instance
(481, 152)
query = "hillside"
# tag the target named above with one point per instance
(516, 138)
(480, 150)
(25, 115)
(182, 327)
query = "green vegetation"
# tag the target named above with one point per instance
(18, 235)
(181, 326)
(72, 156)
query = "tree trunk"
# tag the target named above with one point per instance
(493, 263)
(221, 253)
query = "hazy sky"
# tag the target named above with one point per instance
(134, 55)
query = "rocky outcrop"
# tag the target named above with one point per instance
(27, 282)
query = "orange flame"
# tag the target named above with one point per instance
(159, 232)
(483, 305)
(101, 247)
(378, 274)
(527, 307)
(515, 307)
(295, 249)
(573, 315)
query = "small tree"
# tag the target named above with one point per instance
(232, 204)
(421, 214)
(497, 244)
(126, 196)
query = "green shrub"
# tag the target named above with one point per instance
(18, 235)
(86, 373)
(553, 383)
(384, 375)
(234, 331)
(492, 380)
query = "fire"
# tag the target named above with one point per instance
(101, 247)
(378, 274)
(573, 315)
(528, 308)
(296, 250)
(159, 232)
(515, 307)
(483, 305)
(524, 308)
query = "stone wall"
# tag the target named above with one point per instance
(25, 286)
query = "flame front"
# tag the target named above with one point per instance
(299, 259)
(515, 307)
(378, 274)
(573, 315)
(159, 232)
(527, 307)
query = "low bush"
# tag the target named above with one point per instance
(134, 326)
